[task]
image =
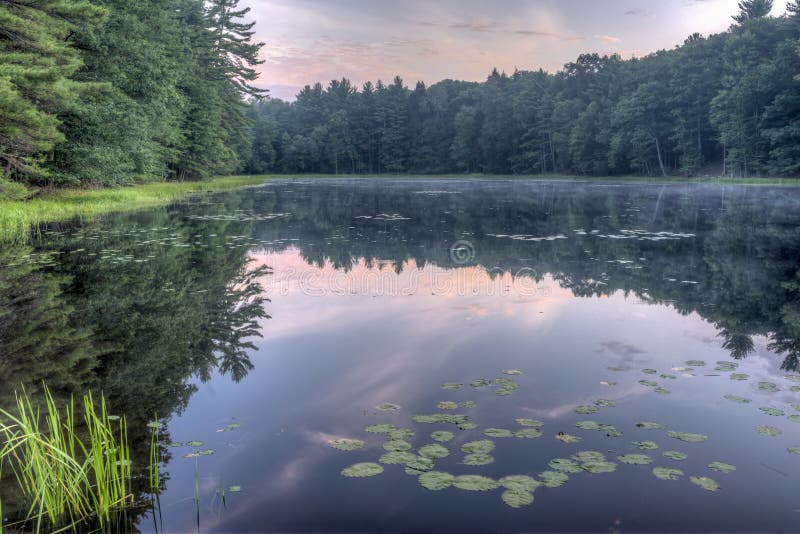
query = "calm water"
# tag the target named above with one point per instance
(291, 311)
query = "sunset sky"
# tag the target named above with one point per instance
(319, 40)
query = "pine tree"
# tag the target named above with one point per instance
(753, 9)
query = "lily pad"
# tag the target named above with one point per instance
(793, 378)
(737, 398)
(498, 433)
(207, 452)
(588, 425)
(388, 407)
(794, 418)
(345, 444)
(481, 446)
(795, 389)
(397, 457)
(771, 431)
(512, 372)
(436, 480)
(661, 391)
(395, 445)
(769, 387)
(605, 403)
(452, 385)
(466, 404)
(617, 368)
(553, 479)
(649, 425)
(467, 426)
(635, 459)
(586, 409)
(649, 371)
(648, 383)
(589, 456)
(726, 366)
(676, 455)
(478, 459)
(722, 467)
(705, 483)
(646, 445)
(420, 463)
(793, 450)
(773, 411)
(433, 450)
(565, 465)
(175, 444)
(440, 418)
(479, 383)
(696, 363)
(529, 422)
(667, 473)
(442, 436)
(362, 470)
(475, 483)
(739, 376)
(599, 467)
(401, 433)
(528, 433)
(194, 443)
(688, 436)
(380, 429)
(567, 438)
(447, 405)
(519, 483)
(517, 499)
(668, 376)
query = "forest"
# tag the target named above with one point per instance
(112, 92)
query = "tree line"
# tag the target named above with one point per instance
(724, 104)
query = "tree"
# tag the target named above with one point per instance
(753, 9)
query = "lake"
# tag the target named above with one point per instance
(582, 329)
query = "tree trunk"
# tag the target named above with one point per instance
(660, 161)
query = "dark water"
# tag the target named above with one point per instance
(291, 311)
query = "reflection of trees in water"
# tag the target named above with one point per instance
(744, 258)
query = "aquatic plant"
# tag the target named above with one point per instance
(772, 411)
(452, 385)
(649, 425)
(565, 465)
(442, 436)
(705, 483)
(586, 409)
(436, 480)
(517, 499)
(447, 405)
(646, 445)
(529, 422)
(529, 433)
(380, 429)
(519, 483)
(498, 433)
(345, 444)
(771, 431)
(397, 458)
(478, 459)
(362, 470)
(553, 479)
(635, 459)
(480, 446)
(687, 436)
(737, 398)
(667, 473)
(769, 387)
(434, 451)
(388, 407)
(675, 455)
(722, 467)
(475, 483)
(397, 445)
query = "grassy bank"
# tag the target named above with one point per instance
(18, 217)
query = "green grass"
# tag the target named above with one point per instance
(68, 479)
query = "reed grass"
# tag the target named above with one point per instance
(68, 479)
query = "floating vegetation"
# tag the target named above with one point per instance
(528, 433)
(397, 457)
(175, 444)
(234, 489)
(397, 445)
(401, 433)
(773, 411)
(649, 425)
(512, 372)
(635, 459)
(194, 443)
(605, 403)
(661, 391)
(687, 436)
(586, 409)
(553, 479)
(452, 385)
(794, 418)
(722, 467)
(588, 425)
(498, 433)
(646, 445)
(433, 450)
(478, 458)
(507, 386)
(567, 438)
(739, 376)
(440, 418)
(345, 444)
(589, 456)
(480, 446)
(649, 371)
(442, 436)
(696, 363)
(362, 470)
(771, 431)
(668, 376)
(467, 426)
(793, 450)
(565, 465)
(795, 389)
(519, 483)
(599, 467)
(737, 398)
(667, 473)
(705, 483)
(206, 452)
(676, 455)
(769, 387)
(517, 499)
(436, 480)
(388, 407)
(466, 404)
(233, 426)
(479, 383)
(648, 383)
(529, 422)
(380, 429)
(475, 483)
(420, 463)
(447, 405)
(793, 378)
(617, 368)
(726, 366)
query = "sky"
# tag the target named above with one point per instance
(308, 41)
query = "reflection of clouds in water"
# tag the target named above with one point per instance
(568, 408)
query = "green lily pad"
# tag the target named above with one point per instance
(675, 455)
(794, 418)
(739, 376)
(649, 371)
(192, 455)
(722, 467)
(467, 426)
(234, 489)
(436, 480)
(771, 431)
(452, 385)
(413, 472)
(599, 467)
(793, 450)
(207, 452)
(617, 368)
(433, 450)
(504, 392)
(194, 443)
(498, 433)
(553, 479)
(795, 389)
(726, 366)
(442, 436)
(380, 429)
(661, 391)
(588, 425)
(440, 418)
(388, 407)
(605, 403)
(589, 456)
(475, 483)
(696, 363)
(529, 422)
(769, 387)
(361, 470)
(528, 433)
(796, 407)
(345, 444)
(648, 383)
(705, 483)
(395, 445)
(646, 445)
(565, 465)
(397, 457)
(586, 409)
(481, 446)
(517, 499)
(773, 411)
(466, 404)
(233, 426)
(668, 376)
(175, 444)
(479, 383)
(649, 425)
(420, 463)
(478, 459)
(519, 483)
(635, 459)
(737, 398)
(667, 473)
(447, 405)
(512, 372)
(567, 438)
(687, 436)
(401, 433)
(793, 378)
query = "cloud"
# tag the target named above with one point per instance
(475, 26)
(608, 38)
